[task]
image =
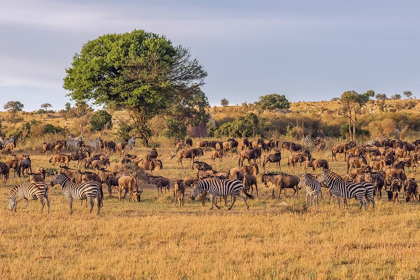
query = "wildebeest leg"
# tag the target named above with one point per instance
(273, 195)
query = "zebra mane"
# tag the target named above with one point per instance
(333, 175)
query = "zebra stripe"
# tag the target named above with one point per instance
(340, 188)
(86, 190)
(313, 188)
(29, 191)
(308, 142)
(217, 187)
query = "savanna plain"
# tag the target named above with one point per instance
(276, 238)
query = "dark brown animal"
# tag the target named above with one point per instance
(153, 154)
(191, 154)
(160, 182)
(4, 171)
(179, 192)
(273, 158)
(74, 174)
(411, 190)
(253, 154)
(25, 164)
(250, 181)
(282, 181)
(120, 148)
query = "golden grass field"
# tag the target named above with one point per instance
(155, 239)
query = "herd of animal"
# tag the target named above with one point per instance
(372, 167)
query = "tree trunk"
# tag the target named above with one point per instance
(354, 127)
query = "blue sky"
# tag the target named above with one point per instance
(307, 50)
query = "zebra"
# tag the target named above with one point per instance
(340, 188)
(132, 142)
(313, 188)
(308, 142)
(29, 191)
(217, 187)
(86, 190)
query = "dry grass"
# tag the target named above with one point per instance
(156, 239)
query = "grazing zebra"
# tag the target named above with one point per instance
(308, 142)
(216, 187)
(29, 191)
(313, 188)
(340, 188)
(86, 190)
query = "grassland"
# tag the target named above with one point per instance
(276, 238)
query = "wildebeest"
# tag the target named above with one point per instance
(299, 157)
(62, 159)
(250, 181)
(25, 164)
(201, 165)
(74, 174)
(153, 154)
(356, 162)
(411, 190)
(100, 163)
(253, 154)
(395, 188)
(4, 171)
(78, 156)
(282, 181)
(128, 184)
(273, 158)
(217, 154)
(293, 147)
(160, 182)
(150, 164)
(316, 163)
(191, 154)
(179, 192)
(120, 148)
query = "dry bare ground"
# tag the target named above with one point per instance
(276, 238)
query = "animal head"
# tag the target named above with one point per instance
(323, 177)
(12, 203)
(198, 189)
(136, 196)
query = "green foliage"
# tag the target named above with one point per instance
(45, 106)
(124, 131)
(13, 106)
(138, 71)
(381, 96)
(244, 126)
(100, 120)
(344, 131)
(224, 102)
(407, 93)
(67, 106)
(396, 96)
(175, 129)
(51, 129)
(273, 101)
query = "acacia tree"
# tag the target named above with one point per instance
(45, 106)
(407, 94)
(224, 102)
(273, 101)
(81, 114)
(100, 120)
(352, 102)
(13, 107)
(138, 71)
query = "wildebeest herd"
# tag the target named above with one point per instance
(371, 168)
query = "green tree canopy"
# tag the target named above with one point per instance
(13, 107)
(273, 101)
(45, 106)
(137, 71)
(100, 120)
(381, 96)
(224, 102)
(407, 93)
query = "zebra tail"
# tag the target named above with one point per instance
(250, 196)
